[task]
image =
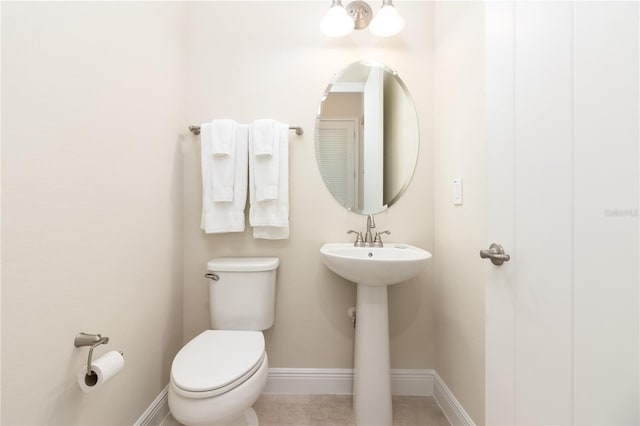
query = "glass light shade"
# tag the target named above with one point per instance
(387, 22)
(337, 22)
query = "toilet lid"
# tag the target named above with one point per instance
(216, 359)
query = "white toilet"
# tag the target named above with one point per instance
(219, 374)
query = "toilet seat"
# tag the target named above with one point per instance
(217, 361)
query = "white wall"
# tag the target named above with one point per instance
(91, 208)
(459, 152)
(243, 66)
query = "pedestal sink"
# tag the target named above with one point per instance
(373, 269)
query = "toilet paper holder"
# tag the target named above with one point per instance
(93, 340)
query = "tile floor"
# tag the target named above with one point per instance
(335, 410)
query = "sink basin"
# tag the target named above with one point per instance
(374, 266)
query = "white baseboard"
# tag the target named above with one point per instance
(412, 382)
(155, 414)
(308, 381)
(451, 407)
(340, 381)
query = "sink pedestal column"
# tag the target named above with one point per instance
(372, 369)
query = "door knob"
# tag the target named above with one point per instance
(496, 254)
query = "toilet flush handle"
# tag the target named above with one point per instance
(212, 276)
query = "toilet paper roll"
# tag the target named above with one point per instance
(105, 367)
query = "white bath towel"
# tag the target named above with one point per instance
(264, 133)
(222, 136)
(224, 215)
(270, 217)
(264, 138)
(218, 139)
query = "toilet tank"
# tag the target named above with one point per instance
(244, 295)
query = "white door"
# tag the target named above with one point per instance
(562, 114)
(337, 153)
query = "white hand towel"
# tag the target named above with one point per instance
(218, 139)
(265, 136)
(270, 217)
(223, 136)
(225, 216)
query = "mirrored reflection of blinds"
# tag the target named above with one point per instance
(335, 155)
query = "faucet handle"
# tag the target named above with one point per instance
(377, 242)
(359, 242)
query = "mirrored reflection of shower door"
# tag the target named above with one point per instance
(339, 159)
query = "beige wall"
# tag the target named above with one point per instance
(243, 66)
(93, 194)
(91, 209)
(400, 135)
(459, 151)
(343, 105)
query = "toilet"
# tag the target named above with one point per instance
(218, 376)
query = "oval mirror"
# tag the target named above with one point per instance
(366, 137)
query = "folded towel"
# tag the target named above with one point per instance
(270, 217)
(218, 139)
(220, 216)
(223, 136)
(266, 168)
(264, 134)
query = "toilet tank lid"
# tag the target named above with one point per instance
(242, 264)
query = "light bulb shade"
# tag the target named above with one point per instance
(337, 22)
(387, 22)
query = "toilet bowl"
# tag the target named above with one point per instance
(218, 376)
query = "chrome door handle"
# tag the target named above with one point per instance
(496, 254)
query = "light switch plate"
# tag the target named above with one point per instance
(457, 192)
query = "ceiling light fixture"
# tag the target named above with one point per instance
(340, 21)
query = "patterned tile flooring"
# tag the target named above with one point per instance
(335, 410)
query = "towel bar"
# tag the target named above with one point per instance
(299, 131)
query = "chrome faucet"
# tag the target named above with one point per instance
(368, 238)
